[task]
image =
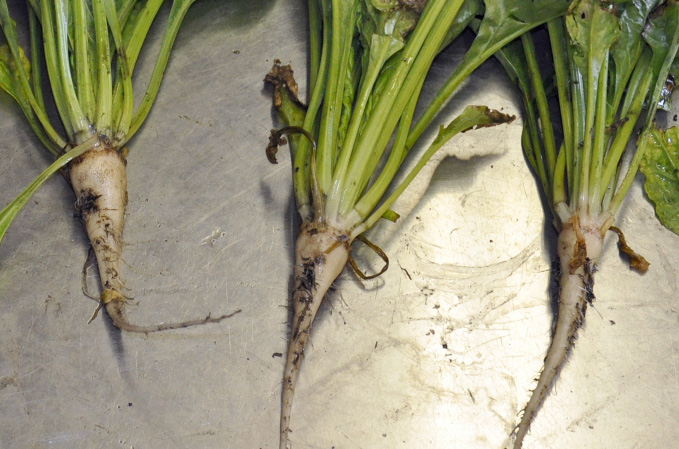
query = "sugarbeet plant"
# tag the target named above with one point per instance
(86, 51)
(368, 63)
(610, 60)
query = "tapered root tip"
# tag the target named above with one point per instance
(115, 306)
(521, 432)
(529, 412)
(292, 365)
(285, 442)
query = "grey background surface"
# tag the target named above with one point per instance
(440, 352)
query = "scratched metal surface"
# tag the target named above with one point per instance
(440, 352)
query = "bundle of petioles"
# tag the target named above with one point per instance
(611, 65)
(368, 64)
(86, 51)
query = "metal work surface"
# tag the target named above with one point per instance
(440, 352)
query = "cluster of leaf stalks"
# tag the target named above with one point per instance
(610, 60)
(369, 60)
(87, 51)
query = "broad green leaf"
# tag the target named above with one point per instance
(592, 30)
(6, 83)
(660, 165)
(627, 49)
(660, 29)
(661, 35)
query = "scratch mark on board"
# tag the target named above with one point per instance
(667, 266)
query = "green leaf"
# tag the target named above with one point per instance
(351, 80)
(661, 36)
(592, 30)
(627, 49)
(660, 165)
(473, 117)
